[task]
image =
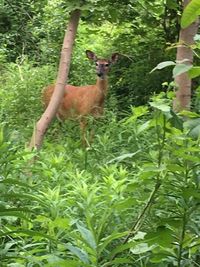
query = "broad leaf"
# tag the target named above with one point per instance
(194, 72)
(161, 106)
(87, 235)
(163, 65)
(197, 37)
(190, 13)
(162, 237)
(82, 255)
(181, 68)
(194, 126)
(158, 258)
(176, 121)
(106, 241)
(122, 247)
(142, 248)
(136, 113)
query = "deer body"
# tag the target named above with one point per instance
(80, 101)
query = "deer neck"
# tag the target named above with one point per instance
(102, 84)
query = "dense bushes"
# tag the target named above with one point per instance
(38, 36)
(78, 205)
(131, 198)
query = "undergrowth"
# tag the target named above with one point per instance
(131, 198)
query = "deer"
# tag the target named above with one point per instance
(81, 101)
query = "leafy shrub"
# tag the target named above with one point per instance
(131, 199)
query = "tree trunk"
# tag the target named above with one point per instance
(183, 82)
(50, 112)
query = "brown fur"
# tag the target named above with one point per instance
(80, 101)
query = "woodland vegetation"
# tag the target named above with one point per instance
(131, 197)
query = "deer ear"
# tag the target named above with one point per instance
(91, 55)
(114, 57)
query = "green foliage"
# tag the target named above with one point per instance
(125, 27)
(139, 181)
(132, 197)
(20, 94)
(194, 72)
(182, 67)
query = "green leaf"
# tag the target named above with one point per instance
(122, 247)
(121, 261)
(197, 37)
(175, 168)
(158, 258)
(176, 121)
(189, 114)
(161, 106)
(124, 156)
(82, 255)
(190, 13)
(109, 239)
(142, 248)
(190, 192)
(194, 126)
(195, 132)
(143, 127)
(26, 232)
(171, 4)
(19, 213)
(55, 261)
(136, 113)
(162, 236)
(139, 235)
(187, 157)
(125, 204)
(194, 72)
(61, 223)
(87, 235)
(180, 69)
(163, 65)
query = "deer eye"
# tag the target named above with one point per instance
(107, 64)
(97, 63)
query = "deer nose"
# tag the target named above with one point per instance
(100, 75)
(100, 70)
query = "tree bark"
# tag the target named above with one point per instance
(43, 123)
(182, 81)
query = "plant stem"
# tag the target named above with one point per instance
(161, 140)
(86, 158)
(138, 223)
(180, 250)
(135, 228)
